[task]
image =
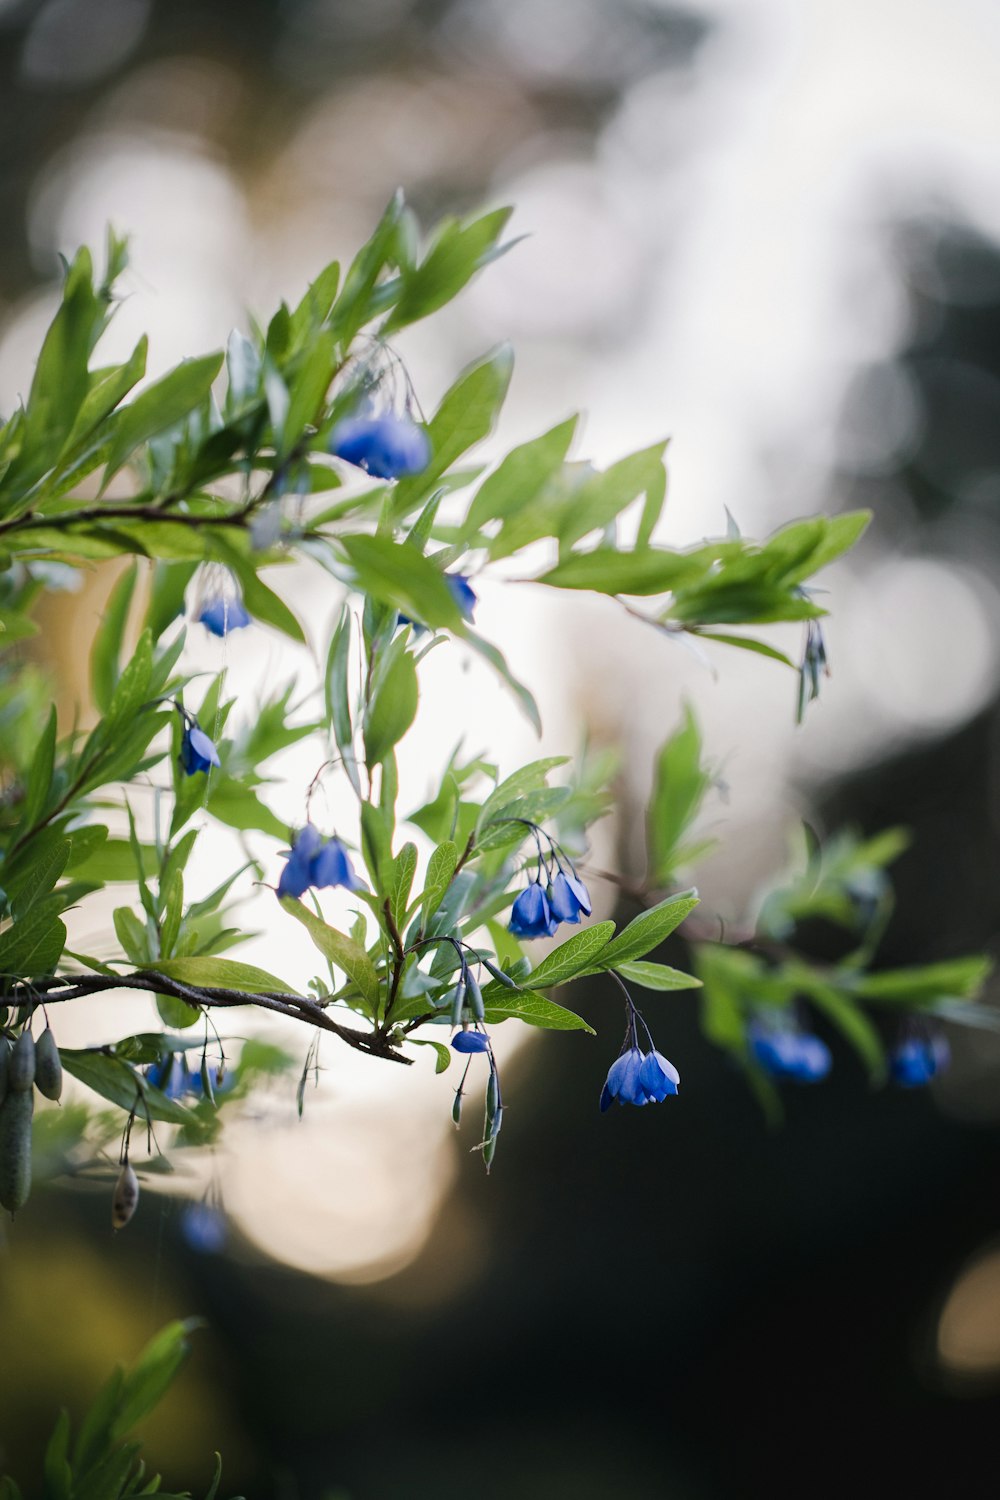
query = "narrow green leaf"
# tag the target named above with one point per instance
(440, 869)
(534, 1010)
(578, 954)
(220, 974)
(161, 406)
(657, 976)
(647, 931)
(340, 950)
(116, 1081)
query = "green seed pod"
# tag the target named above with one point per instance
(457, 1003)
(21, 1068)
(48, 1066)
(126, 1198)
(474, 995)
(4, 1067)
(15, 1149)
(206, 1081)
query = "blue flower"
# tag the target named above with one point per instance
(318, 863)
(222, 614)
(387, 447)
(172, 1076)
(531, 915)
(568, 897)
(197, 751)
(915, 1060)
(204, 1228)
(470, 1041)
(658, 1077)
(783, 1050)
(623, 1080)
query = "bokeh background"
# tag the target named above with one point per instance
(769, 229)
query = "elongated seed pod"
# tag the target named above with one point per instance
(21, 1068)
(4, 1066)
(474, 995)
(457, 1003)
(126, 1198)
(15, 1148)
(48, 1066)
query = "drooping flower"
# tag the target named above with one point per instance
(531, 915)
(622, 1082)
(387, 447)
(915, 1060)
(221, 613)
(783, 1050)
(658, 1077)
(470, 1041)
(172, 1076)
(317, 862)
(197, 751)
(204, 1228)
(568, 897)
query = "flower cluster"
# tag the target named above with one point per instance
(638, 1076)
(315, 862)
(782, 1049)
(916, 1059)
(555, 894)
(387, 447)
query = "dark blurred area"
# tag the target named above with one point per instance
(678, 1302)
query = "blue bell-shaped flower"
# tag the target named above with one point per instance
(386, 447)
(197, 751)
(223, 613)
(531, 915)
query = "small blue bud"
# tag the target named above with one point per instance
(387, 447)
(531, 915)
(470, 1041)
(197, 751)
(783, 1050)
(221, 615)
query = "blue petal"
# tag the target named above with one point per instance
(329, 865)
(197, 751)
(580, 893)
(814, 1060)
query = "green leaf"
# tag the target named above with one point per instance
(657, 976)
(220, 974)
(116, 1081)
(340, 950)
(466, 416)
(394, 708)
(338, 701)
(161, 406)
(40, 775)
(516, 482)
(746, 643)
(400, 881)
(58, 1475)
(33, 873)
(308, 391)
(262, 602)
(576, 955)
(680, 781)
(108, 638)
(398, 573)
(132, 935)
(647, 931)
(238, 807)
(534, 1010)
(955, 978)
(458, 251)
(839, 534)
(440, 869)
(152, 1374)
(34, 945)
(166, 596)
(513, 788)
(442, 1053)
(608, 571)
(849, 1019)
